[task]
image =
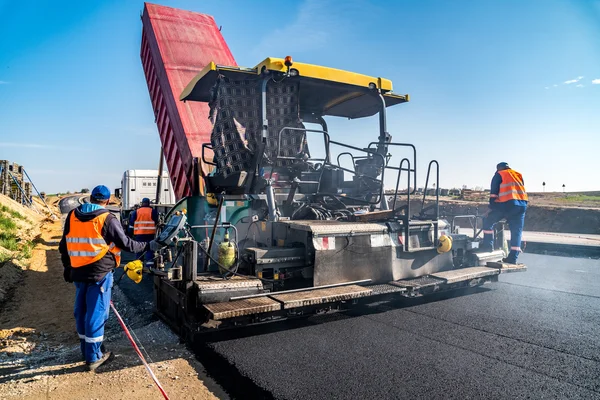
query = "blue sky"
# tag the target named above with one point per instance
(490, 81)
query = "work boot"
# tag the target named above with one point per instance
(509, 260)
(105, 358)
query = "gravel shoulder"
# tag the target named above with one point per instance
(39, 349)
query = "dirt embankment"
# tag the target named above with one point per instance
(39, 347)
(547, 218)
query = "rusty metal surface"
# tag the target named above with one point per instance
(386, 289)
(212, 282)
(505, 267)
(463, 274)
(420, 282)
(238, 308)
(319, 296)
(335, 227)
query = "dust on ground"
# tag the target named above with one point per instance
(39, 348)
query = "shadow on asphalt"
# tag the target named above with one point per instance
(354, 312)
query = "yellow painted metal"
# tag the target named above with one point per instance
(326, 74)
(304, 70)
(444, 244)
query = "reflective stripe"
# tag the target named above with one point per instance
(94, 339)
(510, 184)
(519, 191)
(85, 240)
(117, 254)
(493, 195)
(84, 253)
(150, 228)
(81, 336)
(144, 222)
(488, 232)
(516, 248)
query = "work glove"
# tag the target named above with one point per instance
(154, 245)
(67, 275)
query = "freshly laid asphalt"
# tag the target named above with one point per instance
(530, 335)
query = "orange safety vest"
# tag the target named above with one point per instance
(85, 244)
(144, 225)
(512, 187)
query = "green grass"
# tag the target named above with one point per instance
(7, 224)
(12, 213)
(580, 198)
(8, 235)
(9, 242)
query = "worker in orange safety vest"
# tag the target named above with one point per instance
(90, 250)
(508, 199)
(142, 222)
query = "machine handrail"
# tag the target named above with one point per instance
(400, 169)
(437, 189)
(210, 147)
(325, 140)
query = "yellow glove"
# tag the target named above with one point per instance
(134, 270)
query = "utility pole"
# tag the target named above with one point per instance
(544, 187)
(563, 187)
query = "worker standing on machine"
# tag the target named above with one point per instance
(508, 199)
(143, 222)
(90, 250)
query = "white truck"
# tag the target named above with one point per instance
(139, 183)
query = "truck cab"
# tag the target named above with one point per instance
(139, 183)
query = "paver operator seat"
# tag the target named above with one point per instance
(235, 112)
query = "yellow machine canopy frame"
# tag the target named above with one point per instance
(323, 91)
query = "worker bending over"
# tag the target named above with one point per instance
(90, 250)
(508, 199)
(143, 222)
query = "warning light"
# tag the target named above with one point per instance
(276, 276)
(259, 274)
(288, 61)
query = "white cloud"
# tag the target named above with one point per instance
(555, 85)
(573, 80)
(580, 85)
(596, 82)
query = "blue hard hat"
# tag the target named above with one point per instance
(101, 192)
(502, 165)
(145, 200)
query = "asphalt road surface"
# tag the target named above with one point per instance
(531, 335)
(66, 204)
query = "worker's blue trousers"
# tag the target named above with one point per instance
(515, 216)
(148, 255)
(92, 303)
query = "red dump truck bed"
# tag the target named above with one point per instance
(176, 45)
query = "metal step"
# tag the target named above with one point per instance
(465, 274)
(418, 283)
(238, 308)
(320, 296)
(385, 288)
(506, 268)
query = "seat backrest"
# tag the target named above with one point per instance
(235, 112)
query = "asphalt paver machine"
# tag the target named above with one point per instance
(291, 221)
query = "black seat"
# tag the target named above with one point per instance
(235, 112)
